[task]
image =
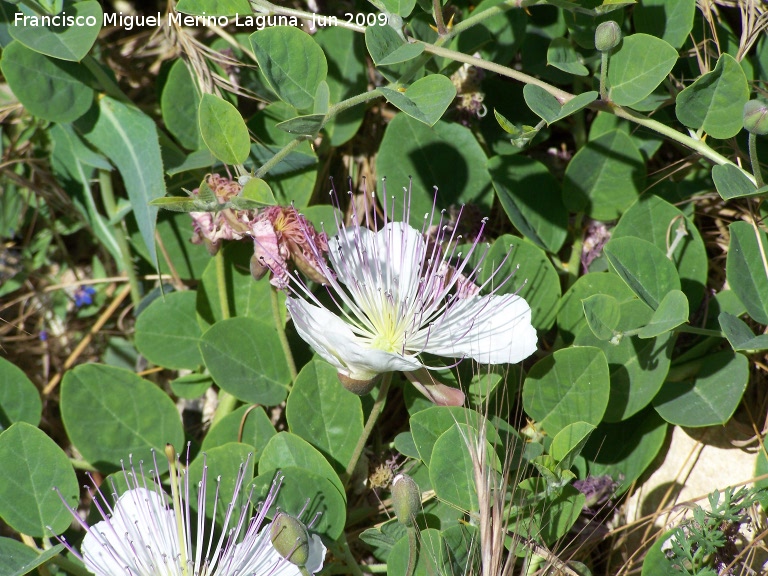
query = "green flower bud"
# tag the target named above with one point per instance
(756, 117)
(290, 538)
(607, 36)
(406, 499)
(359, 387)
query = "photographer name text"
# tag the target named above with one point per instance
(130, 21)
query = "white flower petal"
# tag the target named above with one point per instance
(141, 534)
(333, 339)
(383, 261)
(316, 554)
(492, 329)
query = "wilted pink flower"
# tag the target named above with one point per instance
(210, 228)
(281, 234)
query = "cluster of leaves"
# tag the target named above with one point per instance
(637, 330)
(707, 543)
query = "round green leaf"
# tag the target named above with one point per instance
(179, 103)
(533, 276)
(285, 449)
(625, 449)
(20, 559)
(19, 398)
(426, 100)
(324, 413)
(562, 55)
(732, 182)
(637, 367)
(715, 102)
(638, 67)
(451, 471)
(305, 490)
(656, 562)
(429, 424)
(604, 177)
(659, 222)
(33, 465)
(673, 19)
(167, 332)
(645, 269)
(745, 271)
(570, 316)
(532, 199)
(571, 385)
(248, 424)
(708, 399)
(445, 155)
(567, 444)
(223, 130)
(110, 413)
(739, 335)
(71, 42)
(245, 358)
(292, 63)
(222, 466)
(48, 88)
(672, 312)
(603, 313)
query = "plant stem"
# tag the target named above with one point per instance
(277, 158)
(351, 563)
(755, 161)
(227, 402)
(281, 333)
(221, 284)
(603, 74)
(412, 551)
(574, 262)
(378, 406)
(437, 8)
(108, 198)
(700, 331)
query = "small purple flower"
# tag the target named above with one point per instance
(84, 296)
(597, 489)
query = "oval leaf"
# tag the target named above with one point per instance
(571, 385)
(602, 312)
(426, 99)
(638, 67)
(645, 269)
(167, 332)
(33, 465)
(245, 358)
(715, 102)
(129, 413)
(223, 130)
(51, 89)
(63, 42)
(672, 312)
(324, 413)
(709, 399)
(292, 63)
(604, 177)
(19, 398)
(746, 271)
